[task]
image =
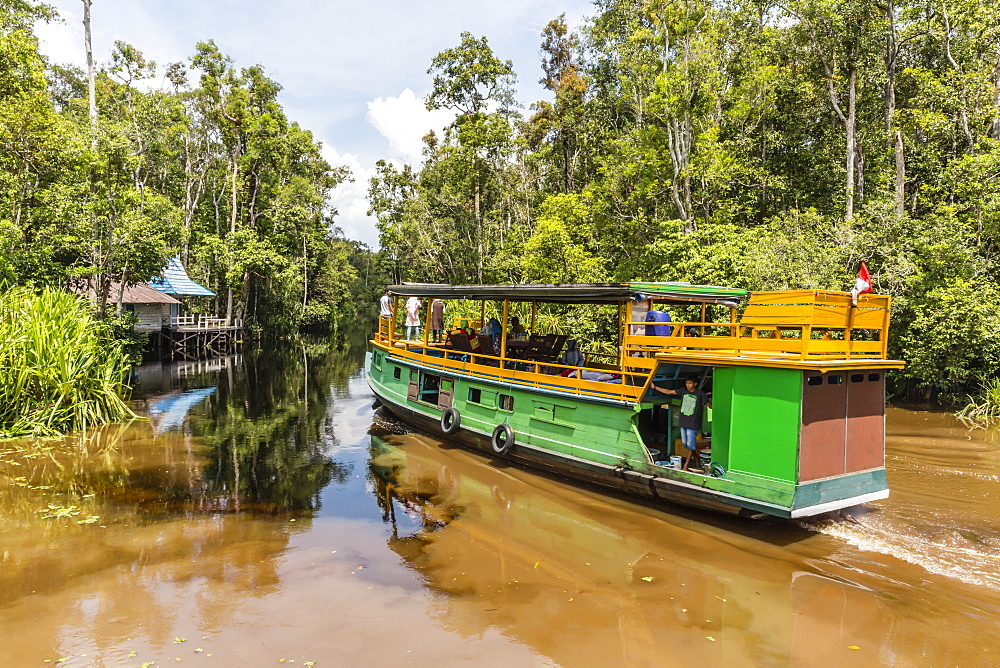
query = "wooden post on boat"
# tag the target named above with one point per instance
(621, 338)
(849, 330)
(427, 325)
(884, 334)
(704, 312)
(392, 320)
(503, 335)
(531, 330)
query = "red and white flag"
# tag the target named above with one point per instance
(862, 285)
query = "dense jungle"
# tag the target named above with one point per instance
(750, 143)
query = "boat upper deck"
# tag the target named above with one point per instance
(803, 329)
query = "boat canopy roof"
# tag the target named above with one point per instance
(577, 293)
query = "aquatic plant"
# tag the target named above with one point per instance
(60, 370)
(985, 407)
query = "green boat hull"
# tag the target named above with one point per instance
(597, 441)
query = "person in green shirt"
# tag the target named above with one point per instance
(693, 402)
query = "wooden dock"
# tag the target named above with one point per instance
(198, 337)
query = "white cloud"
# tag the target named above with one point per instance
(404, 121)
(62, 42)
(351, 197)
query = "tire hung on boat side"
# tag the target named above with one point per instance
(502, 439)
(451, 420)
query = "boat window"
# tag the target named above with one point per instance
(506, 402)
(835, 379)
(815, 380)
(486, 398)
(396, 372)
(377, 361)
(857, 377)
(430, 386)
(873, 377)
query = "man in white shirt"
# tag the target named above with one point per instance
(385, 305)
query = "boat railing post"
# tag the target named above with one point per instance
(392, 320)
(427, 326)
(884, 334)
(503, 336)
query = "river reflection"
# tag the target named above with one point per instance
(263, 512)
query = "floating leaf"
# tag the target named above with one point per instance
(179, 640)
(131, 654)
(710, 638)
(648, 579)
(853, 647)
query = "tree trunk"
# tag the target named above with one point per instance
(91, 94)
(479, 235)
(995, 128)
(852, 148)
(900, 176)
(232, 229)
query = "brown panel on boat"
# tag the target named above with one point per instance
(865, 420)
(413, 389)
(824, 426)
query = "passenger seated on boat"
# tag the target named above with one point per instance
(517, 330)
(494, 330)
(573, 356)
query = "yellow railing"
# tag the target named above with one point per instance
(803, 323)
(529, 373)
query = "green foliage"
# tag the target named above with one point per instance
(952, 337)
(557, 250)
(985, 407)
(60, 370)
(763, 145)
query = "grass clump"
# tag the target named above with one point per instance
(60, 370)
(985, 407)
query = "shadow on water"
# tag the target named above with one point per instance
(512, 549)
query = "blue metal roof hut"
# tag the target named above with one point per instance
(175, 281)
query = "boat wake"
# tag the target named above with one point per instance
(960, 553)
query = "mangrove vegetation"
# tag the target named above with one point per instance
(752, 143)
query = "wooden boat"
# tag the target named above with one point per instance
(797, 386)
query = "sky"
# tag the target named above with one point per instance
(354, 73)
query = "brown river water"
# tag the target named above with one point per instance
(265, 515)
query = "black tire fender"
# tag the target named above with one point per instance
(502, 439)
(451, 420)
